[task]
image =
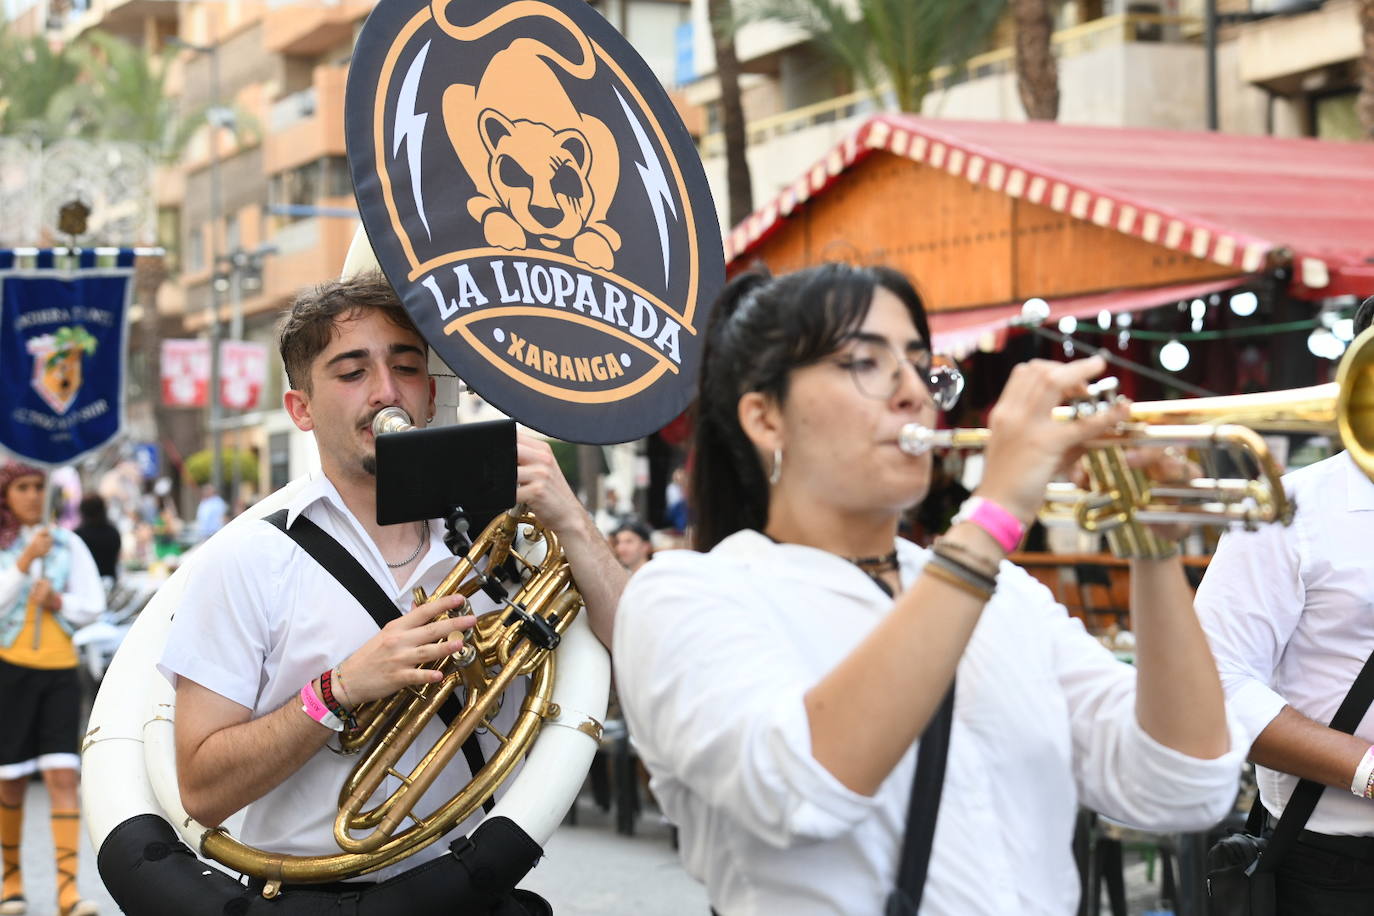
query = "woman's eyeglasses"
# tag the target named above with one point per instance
(877, 370)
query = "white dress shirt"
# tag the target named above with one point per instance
(264, 618)
(1289, 612)
(714, 654)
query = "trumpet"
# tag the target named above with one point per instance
(1120, 501)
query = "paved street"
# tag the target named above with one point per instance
(589, 869)
(40, 875)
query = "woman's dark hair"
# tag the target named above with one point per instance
(761, 329)
(92, 511)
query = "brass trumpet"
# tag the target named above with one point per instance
(1120, 501)
(517, 639)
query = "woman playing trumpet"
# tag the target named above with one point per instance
(777, 682)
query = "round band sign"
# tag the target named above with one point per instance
(532, 195)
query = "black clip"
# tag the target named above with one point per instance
(538, 630)
(456, 525)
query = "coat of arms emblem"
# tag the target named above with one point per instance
(57, 364)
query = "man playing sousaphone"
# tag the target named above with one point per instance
(272, 652)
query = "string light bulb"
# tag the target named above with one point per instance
(1174, 356)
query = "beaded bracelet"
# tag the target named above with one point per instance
(337, 708)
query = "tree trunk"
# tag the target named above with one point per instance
(1037, 74)
(1364, 104)
(731, 111)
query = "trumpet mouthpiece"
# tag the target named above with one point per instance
(915, 439)
(391, 420)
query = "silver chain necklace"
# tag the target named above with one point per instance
(410, 559)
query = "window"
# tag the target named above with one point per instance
(195, 250)
(1334, 117)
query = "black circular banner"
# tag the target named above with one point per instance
(531, 193)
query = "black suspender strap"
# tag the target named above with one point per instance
(926, 787)
(1304, 798)
(344, 567)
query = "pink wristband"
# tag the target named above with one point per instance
(314, 708)
(1003, 527)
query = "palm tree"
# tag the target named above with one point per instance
(32, 74)
(889, 44)
(738, 180)
(121, 95)
(1037, 75)
(1364, 105)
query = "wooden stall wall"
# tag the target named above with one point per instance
(964, 245)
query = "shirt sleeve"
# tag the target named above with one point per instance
(84, 598)
(715, 702)
(220, 634)
(11, 583)
(1249, 604)
(1119, 769)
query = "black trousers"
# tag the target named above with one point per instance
(1327, 876)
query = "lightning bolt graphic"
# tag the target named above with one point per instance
(655, 183)
(409, 129)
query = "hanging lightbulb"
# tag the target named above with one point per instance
(1173, 356)
(1198, 310)
(1344, 329)
(1323, 343)
(1068, 324)
(1244, 304)
(1068, 349)
(1197, 325)
(1104, 319)
(1035, 312)
(1123, 339)
(1123, 320)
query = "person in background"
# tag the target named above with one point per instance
(101, 537)
(1286, 609)
(632, 545)
(210, 513)
(49, 585)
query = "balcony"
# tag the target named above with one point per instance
(1278, 53)
(305, 30)
(307, 125)
(1129, 70)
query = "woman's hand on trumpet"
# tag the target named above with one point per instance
(392, 659)
(1027, 447)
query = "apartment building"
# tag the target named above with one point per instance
(1283, 67)
(261, 204)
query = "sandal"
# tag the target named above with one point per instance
(13, 906)
(83, 908)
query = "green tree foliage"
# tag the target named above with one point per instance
(31, 74)
(888, 44)
(122, 95)
(99, 88)
(198, 465)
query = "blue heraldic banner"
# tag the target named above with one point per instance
(63, 326)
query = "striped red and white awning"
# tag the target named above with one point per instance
(1244, 202)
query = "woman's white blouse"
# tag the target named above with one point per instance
(713, 655)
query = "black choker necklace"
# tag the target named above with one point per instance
(876, 565)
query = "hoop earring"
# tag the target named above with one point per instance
(776, 474)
